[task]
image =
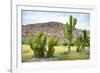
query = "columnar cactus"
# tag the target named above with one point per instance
(37, 44)
(68, 30)
(82, 41)
(51, 43)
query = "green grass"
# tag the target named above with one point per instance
(61, 49)
(60, 53)
(27, 53)
(73, 56)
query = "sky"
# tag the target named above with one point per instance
(31, 17)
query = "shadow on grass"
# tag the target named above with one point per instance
(73, 56)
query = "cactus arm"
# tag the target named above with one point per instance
(71, 22)
(74, 22)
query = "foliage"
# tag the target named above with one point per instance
(68, 30)
(82, 41)
(37, 44)
(51, 43)
(29, 39)
(78, 42)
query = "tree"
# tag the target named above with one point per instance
(68, 30)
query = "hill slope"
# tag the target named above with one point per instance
(52, 29)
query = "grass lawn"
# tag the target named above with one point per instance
(60, 53)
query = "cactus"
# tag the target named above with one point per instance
(85, 41)
(29, 39)
(68, 30)
(78, 42)
(51, 43)
(37, 44)
(82, 41)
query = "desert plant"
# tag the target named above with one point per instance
(29, 39)
(40, 46)
(68, 30)
(82, 41)
(78, 42)
(88, 41)
(37, 44)
(51, 43)
(85, 41)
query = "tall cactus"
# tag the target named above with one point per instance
(68, 30)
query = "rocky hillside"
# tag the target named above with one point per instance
(52, 29)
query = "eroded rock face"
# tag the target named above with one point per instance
(52, 29)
